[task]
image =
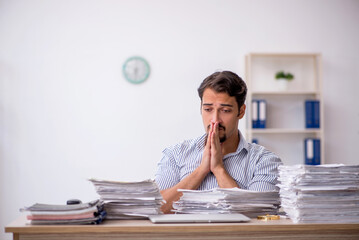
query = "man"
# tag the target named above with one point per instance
(221, 157)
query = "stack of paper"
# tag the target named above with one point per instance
(228, 200)
(322, 193)
(129, 200)
(85, 213)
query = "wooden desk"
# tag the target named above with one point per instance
(144, 229)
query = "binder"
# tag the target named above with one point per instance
(312, 151)
(308, 114)
(312, 114)
(316, 152)
(262, 116)
(316, 114)
(255, 114)
(259, 115)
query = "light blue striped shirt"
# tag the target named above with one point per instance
(252, 166)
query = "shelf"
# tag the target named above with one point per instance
(293, 55)
(283, 93)
(285, 111)
(284, 131)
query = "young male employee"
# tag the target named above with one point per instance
(221, 157)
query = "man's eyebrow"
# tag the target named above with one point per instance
(226, 105)
(222, 104)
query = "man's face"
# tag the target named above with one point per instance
(221, 108)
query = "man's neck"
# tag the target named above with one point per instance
(231, 144)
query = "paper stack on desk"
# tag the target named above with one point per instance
(228, 200)
(322, 193)
(129, 200)
(85, 213)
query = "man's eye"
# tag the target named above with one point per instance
(227, 110)
(207, 109)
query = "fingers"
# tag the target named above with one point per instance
(212, 156)
(215, 134)
(209, 137)
(206, 158)
(216, 126)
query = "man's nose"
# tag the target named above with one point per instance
(215, 117)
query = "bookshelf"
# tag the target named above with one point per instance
(285, 130)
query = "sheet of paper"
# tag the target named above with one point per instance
(323, 193)
(129, 200)
(234, 200)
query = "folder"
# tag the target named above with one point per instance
(308, 114)
(316, 114)
(255, 114)
(316, 151)
(262, 113)
(312, 114)
(84, 213)
(312, 151)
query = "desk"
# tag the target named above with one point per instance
(144, 229)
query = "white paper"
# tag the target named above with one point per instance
(324, 193)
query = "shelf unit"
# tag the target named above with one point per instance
(285, 115)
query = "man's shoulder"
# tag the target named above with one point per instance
(256, 147)
(188, 144)
(259, 151)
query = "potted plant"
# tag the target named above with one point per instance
(283, 78)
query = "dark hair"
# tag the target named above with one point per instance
(227, 82)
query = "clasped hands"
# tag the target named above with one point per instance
(212, 160)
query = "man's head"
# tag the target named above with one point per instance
(222, 100)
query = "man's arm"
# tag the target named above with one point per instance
(192, 182)
(266, 172)
(212, 160)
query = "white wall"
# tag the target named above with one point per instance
(67, 113)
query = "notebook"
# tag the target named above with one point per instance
(198, 218)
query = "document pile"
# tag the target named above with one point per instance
(129, 200)
(321, 193)
(84, 213)
(228, 200)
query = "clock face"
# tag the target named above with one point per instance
(136, 69)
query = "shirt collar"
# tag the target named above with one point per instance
(243, 144)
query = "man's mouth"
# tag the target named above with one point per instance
(220, 127)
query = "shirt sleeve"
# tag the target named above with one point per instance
(168, 174)
(265, 173)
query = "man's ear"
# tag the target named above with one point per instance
(242, 111)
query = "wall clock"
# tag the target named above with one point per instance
(136, 69)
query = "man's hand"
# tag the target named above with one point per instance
(216, 157)
(213, 156)
(212, 161)
(206, 158)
